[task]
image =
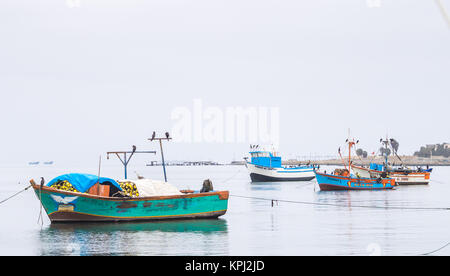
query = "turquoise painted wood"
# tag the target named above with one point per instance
(68, 206)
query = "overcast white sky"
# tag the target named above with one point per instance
(76, 82)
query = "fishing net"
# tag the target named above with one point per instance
(64, 185)
(129, 188)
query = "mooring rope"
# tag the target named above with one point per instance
(343, 205)
(434, 251)
(40, 218)
(15, 194)
(228, 179)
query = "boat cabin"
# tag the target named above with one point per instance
(377, 167)
(265, 159)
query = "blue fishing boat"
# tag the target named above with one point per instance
(266, 166)
(342, 179)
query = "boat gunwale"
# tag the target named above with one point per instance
(347, 177)
(393, 172)
(223, 195)
(306, 168)
(330, 187)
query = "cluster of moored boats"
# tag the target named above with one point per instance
(82, 197)
(266, 166)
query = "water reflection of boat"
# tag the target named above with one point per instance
(266, 186)
(203, 226)
(133, 238)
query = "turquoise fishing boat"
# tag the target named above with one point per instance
(108, 202)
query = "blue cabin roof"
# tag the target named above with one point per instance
(265, 159)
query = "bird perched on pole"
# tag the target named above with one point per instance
(167, 135)
(42, 181)
(134, 148)
(153, 136)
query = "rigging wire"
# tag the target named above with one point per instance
(434, 251)
(19, 192)
(343, 205)
(443, 11)
(230, 178)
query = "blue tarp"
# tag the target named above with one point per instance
(82, 182)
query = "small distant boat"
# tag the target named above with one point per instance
(342, 179)
(48, 163)
(402, 174)
(265, 166)
(33, 163)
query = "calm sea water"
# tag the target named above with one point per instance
(251, 226)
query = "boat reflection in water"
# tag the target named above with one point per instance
(177, 237)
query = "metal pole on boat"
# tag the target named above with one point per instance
(126, 159)
(163, 162)
(162, 152)
(126, 164)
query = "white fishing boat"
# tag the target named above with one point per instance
(402, 174)
(265, 166)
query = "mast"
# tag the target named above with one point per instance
(351, 142)
(161, 147)
(386, 143)
(126, 159)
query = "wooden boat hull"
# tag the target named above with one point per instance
(402, 178)
(328, 182)
(62, 206)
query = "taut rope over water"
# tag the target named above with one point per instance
(15, 194)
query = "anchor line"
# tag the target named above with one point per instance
(228, 179)
(40, 218)
(342, 205)
(434, 251)
(15, 194)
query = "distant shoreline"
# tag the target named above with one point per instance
(407, 161)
